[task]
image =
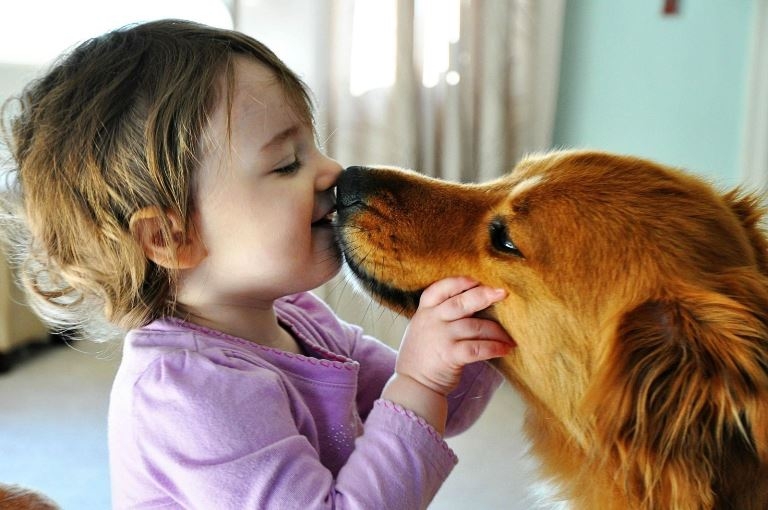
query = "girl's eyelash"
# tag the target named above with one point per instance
(289, 169)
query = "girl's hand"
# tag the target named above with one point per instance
(440, 340)
(443, 336)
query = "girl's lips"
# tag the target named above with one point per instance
(326, 219)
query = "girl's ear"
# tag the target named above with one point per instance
(180, 248)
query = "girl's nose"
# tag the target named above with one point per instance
(328, 173)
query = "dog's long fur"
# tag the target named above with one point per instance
(638, 297)
(16, 497)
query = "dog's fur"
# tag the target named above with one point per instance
(638, 299)
(16, 497)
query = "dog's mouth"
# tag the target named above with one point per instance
(406, 301)
(327, 220)
(348, 205)
(403, 301)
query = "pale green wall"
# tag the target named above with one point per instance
(667, 88)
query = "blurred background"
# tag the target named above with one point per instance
(459, 89)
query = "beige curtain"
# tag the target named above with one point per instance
(492, 101)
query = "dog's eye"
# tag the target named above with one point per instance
(500, 239)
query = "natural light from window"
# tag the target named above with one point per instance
(33, 32)
(441, 28)
(374, 43)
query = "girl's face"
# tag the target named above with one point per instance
(263, 198)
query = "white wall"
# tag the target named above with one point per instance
(13, 77)
(670, 88)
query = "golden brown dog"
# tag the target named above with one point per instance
(638, 298)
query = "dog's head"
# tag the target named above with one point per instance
(638, 295)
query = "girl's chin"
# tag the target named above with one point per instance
(335, 261)
(330, 260)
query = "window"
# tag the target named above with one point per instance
(33, 32)
(374, 42)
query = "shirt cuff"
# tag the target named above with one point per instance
(479, 382)
(414, 430)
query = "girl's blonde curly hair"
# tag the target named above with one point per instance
(113, 127)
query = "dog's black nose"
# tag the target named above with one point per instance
(351, 186)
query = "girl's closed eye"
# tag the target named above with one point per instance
(289, 168)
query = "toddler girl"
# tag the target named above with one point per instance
(170, 184)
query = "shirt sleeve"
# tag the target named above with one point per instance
(217, 437)
(377, 364)
(376, 359)
(479, 381)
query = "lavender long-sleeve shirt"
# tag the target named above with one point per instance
(199, 419)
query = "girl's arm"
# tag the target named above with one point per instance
(377, 360)
(441, 339)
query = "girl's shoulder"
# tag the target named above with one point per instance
(171, 342)
(188, 359)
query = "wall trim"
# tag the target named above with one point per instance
(755, 140)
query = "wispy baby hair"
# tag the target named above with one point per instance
(113, 127)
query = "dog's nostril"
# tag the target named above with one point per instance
(351, 186)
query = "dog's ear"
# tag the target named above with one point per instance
(683, 389)
(750, 211)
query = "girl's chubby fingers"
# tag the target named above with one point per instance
(459, 297)
(471, 329)
(470, 302)
(471, 351)
(444, 289)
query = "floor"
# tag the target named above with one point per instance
(53, 436)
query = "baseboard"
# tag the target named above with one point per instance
(19, 354)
